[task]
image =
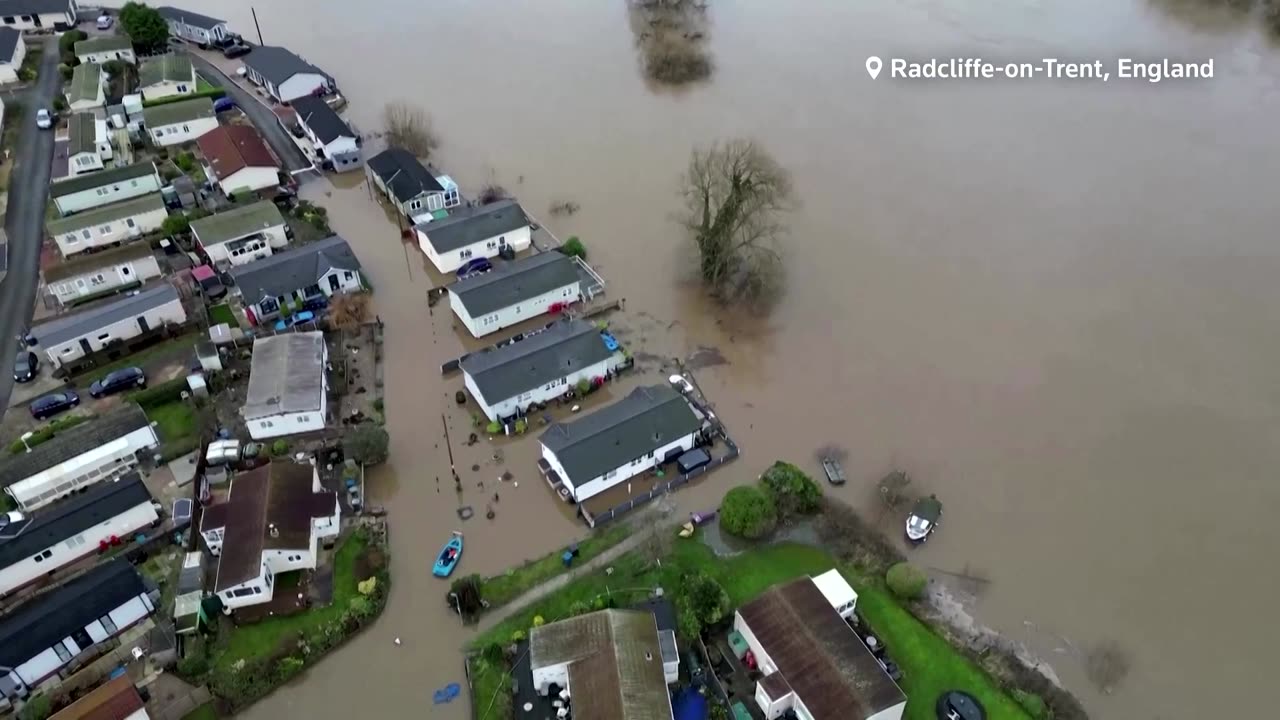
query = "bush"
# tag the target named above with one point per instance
(792, 491)
(59, 104)
(493, 428)
(193, 666)
(584, 386)
(367, 444)
(906, 581)
(65, 70)
(69, 39)
(573, 247)
(185, 161)
(162, 394)
(539, 621)
(521, 426)
(279, 448)
(747, 512)
(38, 707)
(702, 602)
(47, 432)
(1033, 704)
(518, 635)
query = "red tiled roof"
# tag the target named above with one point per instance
(232, 148)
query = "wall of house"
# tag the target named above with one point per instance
(105, 278)
(176, 133)
(300, 85)
(519, 239)
(106, 56)
(43, 21)
(892, 713)
(552, 674)
(514, 314)
(9, 68)
(251, 592)
(345, 154)
(583, 490)
(545, 393)
(250, 178)
(115, 231)
(107, 194)
(169, 313)
(763, 661)
(45, 664)
(168, 88)
(195, 34)
(771, 708)
(107, 461)
(220, 254)
(288, 423)
(67, 551)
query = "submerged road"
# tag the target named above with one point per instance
(24, 220)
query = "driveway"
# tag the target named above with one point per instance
(24, 222)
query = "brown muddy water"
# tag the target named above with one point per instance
(1050, 302)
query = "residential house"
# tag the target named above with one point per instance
(88, 145)
(409, 185)
(242, 234)
(13, 50)
(273, 521)
(333, 138)
(300, 278)
(650, 426)
(179, 122)
(288, 390)
(116, 699)
(284, 75)
(193, 27)
(505, 381)
(107, 324)
(51, 631)
(87, 89)
(105, 48)
(86, 192)
(81, 525)
(79, 279)
(237, 157)
(606, 664)
(481, 231)
(117, 222)
(514, 292)
(39, 14)
(814, 665)
(165, 76)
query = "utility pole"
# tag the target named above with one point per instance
(256, 26)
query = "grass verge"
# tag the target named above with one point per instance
(204, 712)
(177, 427)
(221, 313)
(502, 589)
(46, 433)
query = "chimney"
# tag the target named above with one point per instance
(648, 656)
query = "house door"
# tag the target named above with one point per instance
(82, 639)
(142, 324)
(36, 19)
(333, 282)
(84, 346)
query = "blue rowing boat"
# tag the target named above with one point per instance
(449, 556)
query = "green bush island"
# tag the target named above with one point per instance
(792, 491)
(906, 581)
(747, 512)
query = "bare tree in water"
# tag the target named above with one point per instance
(735, 194)
(410, 128)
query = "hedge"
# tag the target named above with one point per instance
(213, 94)
(165, 392)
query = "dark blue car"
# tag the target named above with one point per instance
(475, 267)
(117, 381)
(49, 405)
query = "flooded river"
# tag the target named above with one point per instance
(1050, 302)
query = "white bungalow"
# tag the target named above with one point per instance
(482, 231)
(39, 15)
(193, 27)
(92, 275)
(101, 325)
(93, 190)
(241, 235)
(179, 122)
(87, 89)
(103, 226)
(514, 292)
(288, 387)
(105, 48)
(88, 145)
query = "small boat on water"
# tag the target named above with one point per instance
(449, 556)
(702, 518)
(924, 518)
(835, 473)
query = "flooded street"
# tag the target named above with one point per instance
(1051, 303)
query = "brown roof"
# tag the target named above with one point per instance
(775, 685)
(115, 700)
(818, 655)
(268, 508)
(232, 148)
(615, 664)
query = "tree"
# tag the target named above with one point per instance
(906, 581)
(747, 512)
(792, 491)
(176, 225)
(410, 128)
(573, 247)
(146, 27)
(348, 311)
(366, 444)
(38, 707)
(734, 194)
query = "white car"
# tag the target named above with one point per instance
(44, 120)
(105, 22)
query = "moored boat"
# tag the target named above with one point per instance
(449, 556)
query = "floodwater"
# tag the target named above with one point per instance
(1049, 302)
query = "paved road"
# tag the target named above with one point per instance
(260, 114)
(24, 222)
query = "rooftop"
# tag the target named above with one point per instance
(818, 655)
(72, 516)
(116, 699)
(559, 351)
(73, 442)
(82, 263)
(645, 420)
(287, 375)
(107, 213)
(468, 226)
(293, 269)
(237, 222)
(188, 17)
(178, 112)
(170, 67)
(8, 43)
(102, 177)
(82, 135)
(104, 43)
(316, 114)
(232, 148)
(277, 64)
(615, 664)
(86, 82)
(403, 174)
(92, 317)
(515, 282)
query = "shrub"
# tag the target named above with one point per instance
(367, 444)
(59, 104)
(493, 428)
(1033, 704)
(702, 602)
(279, 448)
(521, 426)
(185, 161)
(518, 635)
(573, 247)
(114, 67)
(162, 394)
(65, 71)
(38, 707)
(584, 386)
(747, 512)
(539, 621)
(792, 491)
(69, 39)
(211, 93)
(579, 607)
(906, 581)
(193, 666)
(47, 432)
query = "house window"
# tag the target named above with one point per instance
(346, 275)
(185, 128)
(303, 418)
(241, 592)
(72, 239)
(75, 542)
(610, 474)
(63, 653)
(104, 337)
(86, 234)
(8, 20)
(129, 222)
(124, 271)
(106, 229)
(101, 191)
(133, 183)
(182, 89)
(108, 624)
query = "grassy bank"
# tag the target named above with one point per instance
(928, 662)
(502, 589)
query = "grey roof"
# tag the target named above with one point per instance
(316, 114)
(615, 663)
(277, 64)
(102, 177)
(178, 112)
(73, 442)
(559, 351)
(293, 269)
(107, 213)
(33, 7)
(287, 375)
(81, 134)
(645, 420)
(104, 43)
(8, 42)
(237, 223)
(70, 517)
(83, 322)
(193, 19)
(514, 282)
(404, 174)
(468, 226)
(170, 67)
(37, 624)
(86, 82)
(82, 263)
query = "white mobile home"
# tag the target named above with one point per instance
(333, 138)
(409, 186)
(514, 292)
(298, 278)
(179, 122)
(284, 75)
(165, 76)
(241, 235)
(91, 275)
(193, 27)
(482, 231)
(114, 223)
(13, 50)
(93, 190)
(505, 381)
(105, 48)
(38, 14)
(288, 388)
(88, 145)
(648, 427)
(100, 326)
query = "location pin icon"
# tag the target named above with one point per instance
(873, 66)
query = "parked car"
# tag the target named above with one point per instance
(235, 51)
(475, 266)
(117, 381)
(223, 104)
(49, 405)
(44, 120)
(26, 366)
(105, 21)
(692, 460)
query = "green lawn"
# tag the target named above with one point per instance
(502, 589)
(202, 85)
(221, 313)
(176, 426)
(174, 347)
(46, 432)
(204, 712)
(261, 639)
